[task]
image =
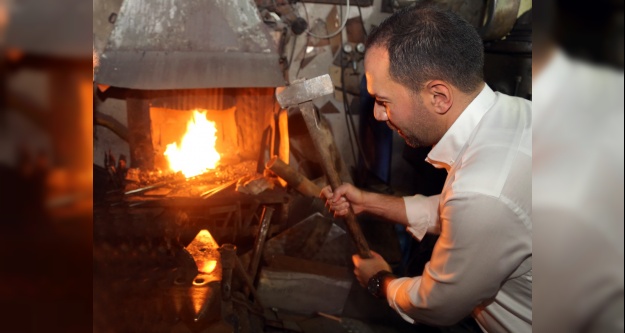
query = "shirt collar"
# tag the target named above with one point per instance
(445, 152)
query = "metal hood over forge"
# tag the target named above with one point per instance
(189, 44)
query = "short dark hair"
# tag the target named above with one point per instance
(425, 43)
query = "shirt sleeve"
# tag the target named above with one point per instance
(482, 242)
(397, 285)
(422, 214)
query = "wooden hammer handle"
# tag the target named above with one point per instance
(293, 178)
(322, 139)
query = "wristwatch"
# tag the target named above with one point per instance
(377, 283)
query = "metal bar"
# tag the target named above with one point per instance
(218, 189)
(146, 188)
(248, 282)
(162, 184)
(263, 230)
(228, 254)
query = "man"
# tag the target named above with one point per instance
(424, 68)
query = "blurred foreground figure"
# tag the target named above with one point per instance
(577, 194)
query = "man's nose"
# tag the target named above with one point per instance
(379, 112)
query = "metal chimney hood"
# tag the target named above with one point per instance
(189, 44)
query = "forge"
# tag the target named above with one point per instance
(186, 226)
(212, 221)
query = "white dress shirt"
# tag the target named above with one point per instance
(481, 263)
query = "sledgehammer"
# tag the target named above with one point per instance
(300, 95)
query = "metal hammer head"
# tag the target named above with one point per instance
(305, 91)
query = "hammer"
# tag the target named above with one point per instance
(301, 94)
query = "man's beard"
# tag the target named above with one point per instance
(411, 140)
(420, 123)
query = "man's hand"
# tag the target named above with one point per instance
(364, 269)
(340, 200)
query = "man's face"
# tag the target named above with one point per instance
(402, 109)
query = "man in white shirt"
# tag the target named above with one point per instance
(424, 68)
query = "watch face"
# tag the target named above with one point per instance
(373, 286)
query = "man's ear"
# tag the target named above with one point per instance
(440, 96)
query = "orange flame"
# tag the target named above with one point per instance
(197, 152)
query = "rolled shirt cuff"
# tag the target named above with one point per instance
(393, 288)
(422, 214)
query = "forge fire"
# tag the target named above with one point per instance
(196, 153)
